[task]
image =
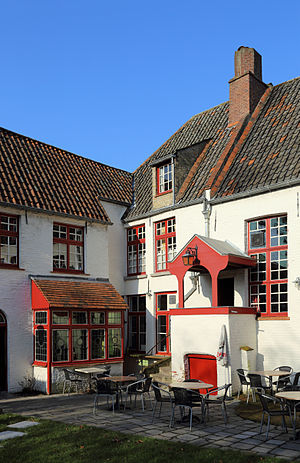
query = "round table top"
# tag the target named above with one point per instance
(289, 395)
(190, 385)
(270, 373)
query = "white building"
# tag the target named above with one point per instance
(225, 185)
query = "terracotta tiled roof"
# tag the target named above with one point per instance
(209, 125)
(41, 176)
(271, 152)
(83, 294)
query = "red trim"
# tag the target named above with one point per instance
(164, 237)
(267, 250)
(214, 311)
(135, 243)
(68, 242)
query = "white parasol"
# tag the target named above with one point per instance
(222, 355)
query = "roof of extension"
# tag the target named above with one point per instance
(40, 176)
(76, 295)
(258, 152)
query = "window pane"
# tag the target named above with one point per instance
(114, 342)
(41, 345)
(161, 254)
(41, 318)
(132, 259)
(60, 345)
(79, 318)
(114, 318)
(76, 257)
(79, 344)
(60, 318)
(98, 344)
(133, 303)
(8, 251)
(97, 318)
(162, 302)
(161, 333)
(59, 255)
(142, 258)
(76, 234)
(142, 303)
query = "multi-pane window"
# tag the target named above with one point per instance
(163, 321)
(137, 323)
(67, 248)
(165, 242)
(164, 178)
(268, 243)
(9, 234)
(41, 345)
(136, 250)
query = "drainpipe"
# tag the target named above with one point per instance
(173, 178)
(206, 212)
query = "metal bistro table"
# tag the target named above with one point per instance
(293, 396)
(270, 374)
(119, 380)
(89, 371)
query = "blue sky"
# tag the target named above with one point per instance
(113, 80)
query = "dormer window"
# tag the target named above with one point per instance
(164, 179)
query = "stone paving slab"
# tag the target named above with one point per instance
(23, 424)
(238, 434)
(4, 435)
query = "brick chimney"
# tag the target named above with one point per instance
(247, 87)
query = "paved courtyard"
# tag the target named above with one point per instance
(238, 434)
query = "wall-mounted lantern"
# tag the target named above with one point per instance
(191, 257)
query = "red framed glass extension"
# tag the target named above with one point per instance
(268, 242)
(9, 241)
(69, 337)
(136, 250)
(163, 327)
(68, 249)
(165, 243)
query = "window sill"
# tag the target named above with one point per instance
(163, 193)
(69, 272)
(135, 277)
(2, 267)
(160, 274)
(273, 318)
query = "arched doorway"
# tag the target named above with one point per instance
(3, 352)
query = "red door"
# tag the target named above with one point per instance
(204, 367)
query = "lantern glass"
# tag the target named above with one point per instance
(188, 259)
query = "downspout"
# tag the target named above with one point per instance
(173, 178)
(206, 212)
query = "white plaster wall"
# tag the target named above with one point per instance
(117, 252)
(35, 249)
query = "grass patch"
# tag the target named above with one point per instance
(52, 442)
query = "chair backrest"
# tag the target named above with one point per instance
(242, 376)
(146, 384)
(255, 380)
(296, 379)
(161, 392)
(157, 391)
(185, 396)
(224, 388)
(285, 368)
(106, 386)
(265, 399)
(69, 374)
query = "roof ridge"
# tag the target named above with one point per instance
(286, 82)
(62, 149)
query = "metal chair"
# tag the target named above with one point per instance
(185, 398)
(138, 388)
(243, 382)
(219, 400)
(162, 395)
(72, 378)
(110, 390)
(294, 386)
(283, 411)
(283, 380)
(256, 385)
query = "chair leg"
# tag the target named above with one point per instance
(142, 400)
(191, 418)
(160, 409)
(261, 422)
(268, 426)
(248, 395)
(153, 411)
(95, 405)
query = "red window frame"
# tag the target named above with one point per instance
(159, 190)
(68, 242)
(166, 314)
(137, 242)
(138, 314)
(262, 287)
(164, 237)
(10, 234)
(89, 326)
